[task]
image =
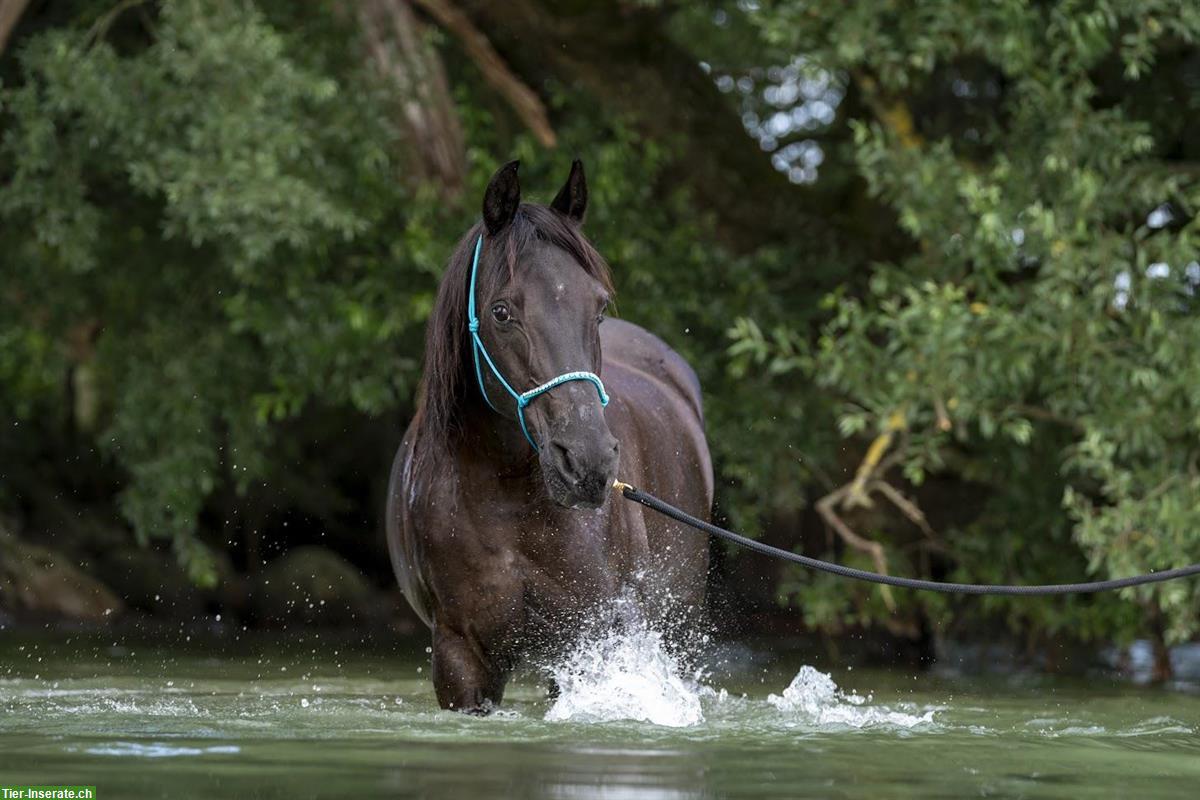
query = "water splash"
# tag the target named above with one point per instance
(816, 699)
(625, 674)
(623, 670)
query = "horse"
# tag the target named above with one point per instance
(502, 528)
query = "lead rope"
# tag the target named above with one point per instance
(665, 508)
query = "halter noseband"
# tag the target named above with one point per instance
(522, 398)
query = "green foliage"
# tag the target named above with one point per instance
(224, 201)
(204, 209)
(1043, 340)
(222, 206)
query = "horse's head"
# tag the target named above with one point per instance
(539, 303)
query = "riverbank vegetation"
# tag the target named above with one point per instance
(936, 265)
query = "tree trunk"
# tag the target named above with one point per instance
(396, 42)
(1162, 671)
(10, 15)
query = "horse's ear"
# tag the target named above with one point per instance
(502, 198)
(572, 197)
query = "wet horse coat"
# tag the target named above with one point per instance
(503, 550)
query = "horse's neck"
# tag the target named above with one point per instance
(495, 442)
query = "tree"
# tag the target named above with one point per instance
(935, 263)
(1042, 338)
(218, 227)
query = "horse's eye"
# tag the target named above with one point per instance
(500, 313)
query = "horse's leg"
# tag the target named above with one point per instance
(462, 677)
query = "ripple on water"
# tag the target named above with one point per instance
(627, 675)
(1056, 727)
(158, 750)
(636, 723)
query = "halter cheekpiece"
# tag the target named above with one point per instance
(523, 398)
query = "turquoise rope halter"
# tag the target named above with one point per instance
(523, 398)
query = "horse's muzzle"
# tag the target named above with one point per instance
(579, 475)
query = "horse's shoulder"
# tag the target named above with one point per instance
(422, 489)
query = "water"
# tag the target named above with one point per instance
(285, 717)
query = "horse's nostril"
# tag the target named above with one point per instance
(564, 459)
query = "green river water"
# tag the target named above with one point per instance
(287, 717)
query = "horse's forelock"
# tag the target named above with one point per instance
(551, 226)
(446, 378)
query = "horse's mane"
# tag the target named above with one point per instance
(447, 378)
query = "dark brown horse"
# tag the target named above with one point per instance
(502, 548)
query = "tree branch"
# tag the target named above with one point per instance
(856, 494)
(623, 55)
(100, 29)
(524, 101)
(825, 507)
(906, 506)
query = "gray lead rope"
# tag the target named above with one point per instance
(652, 502)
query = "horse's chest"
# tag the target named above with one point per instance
(534, 569)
